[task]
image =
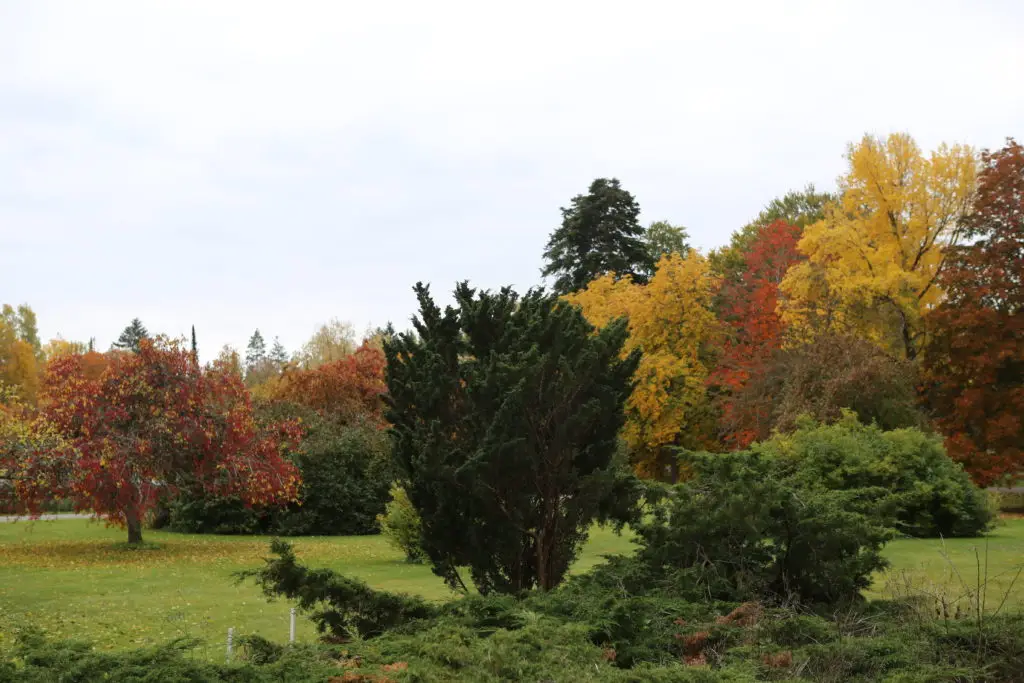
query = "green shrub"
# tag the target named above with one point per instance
(197, 513)
(346, 473)
(400, 525)
(35, 659)
(926, 493)
(741, 529)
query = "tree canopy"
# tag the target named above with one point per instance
(873, 261)
(600, 234)
(671, 321)
(974, 363)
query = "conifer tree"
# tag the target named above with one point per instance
(256, 352)
(132, 336)
(600, 234)
(278, 355)
(506, 412)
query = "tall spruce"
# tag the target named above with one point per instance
(132, 336)
(600, 234)
(505, 412)
(278, 355)
(195, 346)
(256, 351)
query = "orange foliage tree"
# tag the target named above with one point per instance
(348, 389)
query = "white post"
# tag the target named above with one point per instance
(291, 627)
(231, 638)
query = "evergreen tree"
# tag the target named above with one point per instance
(256, 352)
(92, 344)
(600, 234)
(278, 356)
(505, 414)
(195, 346)
(132, 336)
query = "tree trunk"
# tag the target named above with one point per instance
(134, 521)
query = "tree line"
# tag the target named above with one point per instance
(898, 297)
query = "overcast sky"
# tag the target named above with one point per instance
(236, 165)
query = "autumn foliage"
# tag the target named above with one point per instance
(873, 261)
(671, 321)
(348, 388)
(975, 361)
(754, 329)
(151, 424)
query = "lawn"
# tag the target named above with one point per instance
(71, 578)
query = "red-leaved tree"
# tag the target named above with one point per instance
(753, 328)
(151, 424)
(974, 362)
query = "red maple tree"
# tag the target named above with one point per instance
(974, 362)
(150, 424)
(753, 328)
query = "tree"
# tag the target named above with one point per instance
(974, 362)
(229, 360)
(754, 330)
(505, 414)
(874, 260)
(18, 369)
(23, 321)
(152, 424)
(132, 336)
(256, 351)
(664, 238)
(62, 347)
(348, 389)
(332, 341)
(19, 353)
(195, 346)
(671, 320)
(258, 366)
(821, 378)
(600, 234)
(278, 355)
(797, 207)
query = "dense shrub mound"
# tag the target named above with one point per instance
(925, 492)
(742, 529)
(346, 475)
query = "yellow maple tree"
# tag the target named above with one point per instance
(18, 367)
(874, 259)
(670, 319)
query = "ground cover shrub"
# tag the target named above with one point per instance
(926, 493)
(33, 658)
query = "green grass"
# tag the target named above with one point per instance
(76, 579)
